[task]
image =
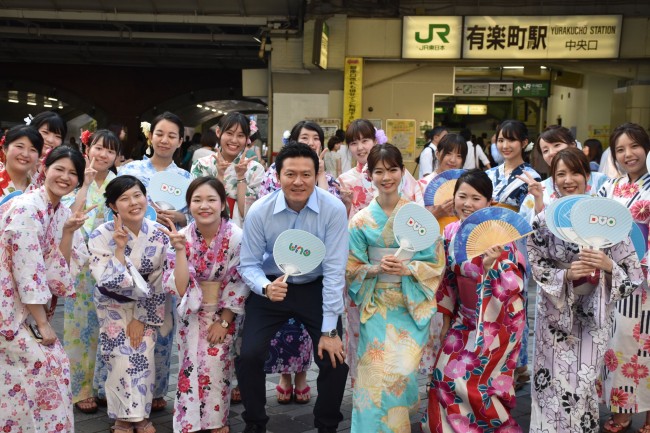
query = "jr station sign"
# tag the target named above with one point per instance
(512, 37)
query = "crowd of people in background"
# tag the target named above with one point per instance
(75, 223)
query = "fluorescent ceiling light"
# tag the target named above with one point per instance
(199, 106)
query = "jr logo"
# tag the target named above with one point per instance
(442, 33)
(300, 250)
(416, 226)
(170, 189)
(602, 220)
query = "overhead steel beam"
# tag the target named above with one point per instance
(110, 17)
(125, 35)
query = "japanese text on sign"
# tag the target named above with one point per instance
(574, 37)
(352, 86)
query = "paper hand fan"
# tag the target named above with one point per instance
(601, 222)
(486, 228)
(297, 252)
(168, 190)
(10, 196)
(639, 237)
(441, 188)
(149, 214)
(560, 216)
(415, 228)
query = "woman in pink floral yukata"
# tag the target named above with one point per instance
(472, 390)
(38, 264)
(203, 261)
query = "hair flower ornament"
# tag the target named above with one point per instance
(285, 137)
(380, 136)
(253, 127)
(85, 137)
(28, 119)
(146, 130)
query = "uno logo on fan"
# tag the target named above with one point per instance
(602, 220)
(416, 226)
(299, 250)
(171, 189)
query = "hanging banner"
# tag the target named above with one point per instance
(542, 37)
(352, 86)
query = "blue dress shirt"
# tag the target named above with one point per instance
(323, 216)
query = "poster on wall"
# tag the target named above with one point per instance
(329, 127)
(599, 132)
(352, 87)
(402, 133)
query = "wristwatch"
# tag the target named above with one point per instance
(224, 324)
(264, 290)
(330, 334)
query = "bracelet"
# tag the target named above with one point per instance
(243, 180)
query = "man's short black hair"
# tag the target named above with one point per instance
(293, 149)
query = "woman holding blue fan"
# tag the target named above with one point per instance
(481, 300)
(577, 292)
(627, 361)
(396, 299)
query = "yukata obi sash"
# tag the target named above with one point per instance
(388, 293)
(204, 297)
(211, 291)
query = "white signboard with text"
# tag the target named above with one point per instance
(542, 37)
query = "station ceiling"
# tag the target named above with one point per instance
(195, 34)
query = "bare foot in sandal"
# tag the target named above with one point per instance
(224, 429)
(617, 423)
(88, 405)
(144, 426)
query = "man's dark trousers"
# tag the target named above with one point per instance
(263, 319)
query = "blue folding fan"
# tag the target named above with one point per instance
(486, 228)
(441, 188)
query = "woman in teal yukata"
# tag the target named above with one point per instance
(396, 298)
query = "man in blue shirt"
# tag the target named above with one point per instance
(316, 298)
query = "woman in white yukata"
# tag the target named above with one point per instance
(127, 260)
(627, 360)
(577, 294)
(38, 265)
(202, 271)
(165, 135)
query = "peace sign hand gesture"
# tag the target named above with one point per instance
(77, 219)
(241, 167)
(177, 240)
(221, 164)
(120, 236)
(90, 173)
(534, 187)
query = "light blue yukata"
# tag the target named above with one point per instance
(395, 314)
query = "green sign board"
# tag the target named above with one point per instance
(536, 89)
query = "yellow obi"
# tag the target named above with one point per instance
(211, 291)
